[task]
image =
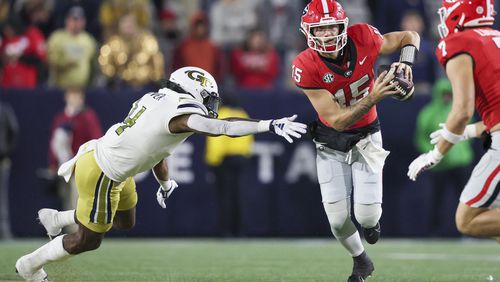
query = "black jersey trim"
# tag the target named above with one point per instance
(353, 57)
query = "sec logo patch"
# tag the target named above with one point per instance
(328, 77)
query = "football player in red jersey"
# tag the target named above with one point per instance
(470, 53)
(336, 74)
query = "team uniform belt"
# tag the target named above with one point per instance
(342, 141)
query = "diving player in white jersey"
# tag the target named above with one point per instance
(104, 168)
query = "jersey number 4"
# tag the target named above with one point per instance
(131, 118)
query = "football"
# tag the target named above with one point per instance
(405, 87)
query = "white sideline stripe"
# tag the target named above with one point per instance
(429, 256)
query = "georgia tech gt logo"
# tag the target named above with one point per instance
(198, 76)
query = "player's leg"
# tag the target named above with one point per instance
(125, 215)
(477, 213)
(92, 216)
(30, 266)
(367, 196)
(478, 222)
(334, 177)
(53, 220)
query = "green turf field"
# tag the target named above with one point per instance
(264, 260)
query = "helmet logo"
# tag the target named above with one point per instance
(328, 77)
(198, 76)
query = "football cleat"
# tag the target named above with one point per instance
(29, 274)
(46, 218)
(372, 234)
(355, 278)
(362, 268)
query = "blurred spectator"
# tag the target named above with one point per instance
(132, 56)
(390, 13)
(256, 65)
(358, 11)
(198, 50)
(91, 8)
(276, 17)
(168, 37)
(5, 10)
(23, 55)
(111, 12)
(229, 158)
(71, 52)
(9, 130)
(72, 127)
(451, 172)
(231, 20)
(425, 67)
(184, 10)
(37, 13)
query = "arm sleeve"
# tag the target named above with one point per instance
(232, 128)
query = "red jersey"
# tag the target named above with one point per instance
(17, 74)
(350, 82)
(84, 126)
(483, 45)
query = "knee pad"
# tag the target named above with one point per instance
(368, 215)
(338, 214)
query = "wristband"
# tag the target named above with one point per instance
(436, 155)
(408, 54)
(264, 125)
(165, 184)
(450, 136)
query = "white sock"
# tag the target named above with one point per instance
(52, 251)
(64, 218)
(353, 244)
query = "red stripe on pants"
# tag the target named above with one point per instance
(485, 187)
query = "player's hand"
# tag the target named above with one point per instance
(164, 192)
(405, 68)
(469, 132)
(383, 86)
(286, 127)
(424, 162)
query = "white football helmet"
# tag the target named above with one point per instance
(201, 85)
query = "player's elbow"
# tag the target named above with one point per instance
(412, 38)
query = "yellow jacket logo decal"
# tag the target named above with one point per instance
(198, 76)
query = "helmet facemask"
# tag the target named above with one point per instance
(211, 100)
(319, 43)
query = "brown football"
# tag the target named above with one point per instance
(405, 87)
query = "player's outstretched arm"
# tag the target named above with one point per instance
(340, 117)
(460, 72)
(235, 127)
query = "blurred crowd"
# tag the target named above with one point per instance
(135, 43)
